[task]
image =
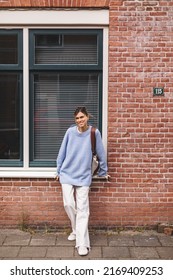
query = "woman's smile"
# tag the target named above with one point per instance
(82, 121)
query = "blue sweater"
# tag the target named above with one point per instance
(75, 157)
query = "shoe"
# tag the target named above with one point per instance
(82, 251)
(72, 236)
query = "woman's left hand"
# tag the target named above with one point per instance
(57, 178)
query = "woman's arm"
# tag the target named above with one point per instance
(101, 154)
(62, 153)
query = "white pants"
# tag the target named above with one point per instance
(76, 204)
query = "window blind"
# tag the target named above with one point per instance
(56, 96)
(66, 49)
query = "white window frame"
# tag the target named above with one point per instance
(47, 19)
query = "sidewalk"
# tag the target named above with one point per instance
(16, 244)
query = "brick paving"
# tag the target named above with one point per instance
(126, 245)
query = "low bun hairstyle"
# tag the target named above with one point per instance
(82, 110)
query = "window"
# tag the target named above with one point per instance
(11, 98)
(65, 71)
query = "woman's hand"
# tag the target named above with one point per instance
(108, 177)
(57, 178)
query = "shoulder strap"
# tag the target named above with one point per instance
(93, 140)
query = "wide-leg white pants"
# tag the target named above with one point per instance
(76, 205)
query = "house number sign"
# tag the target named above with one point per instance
(158, 91)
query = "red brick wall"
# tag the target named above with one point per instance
(140, 133)
(38, 202)
(140, 127)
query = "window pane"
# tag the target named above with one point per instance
(8, 49)
(9, 117)
(66, 49)
(56, 95)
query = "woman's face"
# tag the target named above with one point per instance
(81, 121)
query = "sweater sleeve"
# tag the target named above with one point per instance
(62, 153)
(101, 154)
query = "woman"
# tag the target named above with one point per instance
(74, 172)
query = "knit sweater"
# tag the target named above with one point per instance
(75, 157)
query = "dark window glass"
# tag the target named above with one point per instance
(8, 49)
(9, 116)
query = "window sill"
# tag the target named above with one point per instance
(38, 173)
(31, 173)
(98, 178)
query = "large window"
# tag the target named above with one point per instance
(64, 71)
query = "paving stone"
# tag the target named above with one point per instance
(19, 258)
(146, 241)
(2, 238)
(116, 252)
(121, 241)
(166, 240)
(98, 240)
(9, 251)
(43, 240)
(62, 240)
(95, 253)
(32, 252)
(9, 232)
(143, 253)
(12, 240)
(165, 253)
(60, 252)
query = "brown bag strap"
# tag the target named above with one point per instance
(93, 140)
